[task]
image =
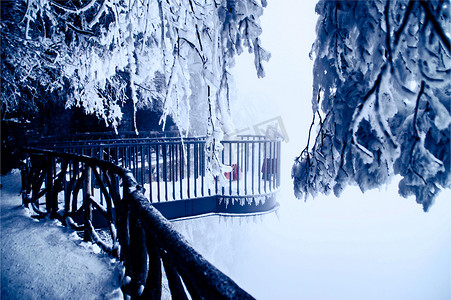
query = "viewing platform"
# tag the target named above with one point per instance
(172, 170)
(121, 192)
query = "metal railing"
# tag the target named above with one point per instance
(171, 168)
(74, 188)
(101, 187)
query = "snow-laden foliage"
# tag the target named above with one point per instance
(381, 99)
(97, 54)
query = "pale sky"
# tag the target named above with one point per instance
(372, 246)
(288, 33)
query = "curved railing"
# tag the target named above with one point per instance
(90, 185)
(172, 171)
(75, 188)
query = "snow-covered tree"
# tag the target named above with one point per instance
(381, 99)
(96, 54)
(103, 51)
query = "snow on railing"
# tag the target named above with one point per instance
(142, 238)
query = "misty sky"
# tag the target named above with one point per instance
(371, 246)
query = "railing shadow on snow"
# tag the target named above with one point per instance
(91, 185)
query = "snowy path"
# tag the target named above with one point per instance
(42, 260)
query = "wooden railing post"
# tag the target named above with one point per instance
(174, 280)
(87, 203)
(49, 202)
(138, 256)
(153, 288)
(75, 190)
(25, 174)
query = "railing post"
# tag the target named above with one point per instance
(123, 232)
(173, 170)
(237, 168)
(153, 288)
(138, 256)
(149, 158)
(188, 169)
(165, 170)
(157, 163)
(230, 163)
(75, 191)
(279, 163)
(25, 173)
(49, 201)
(87, 204)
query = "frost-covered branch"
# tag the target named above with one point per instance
(104, 55)
(417, 107)
(81, 31)
(437, 26)
(76, 10)
(370, 58)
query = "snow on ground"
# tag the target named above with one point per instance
(43, 260)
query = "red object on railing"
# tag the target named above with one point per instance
(236, 171)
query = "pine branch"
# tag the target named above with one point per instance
(26, 12)
(199, 39)
(417, 105)
(398, 33)
(73, 10)
(203, 59)
(388, 34)
(438, 28)
(306, 149)
(357, 118)
(416, 132)
(386, 131)
(81, 31)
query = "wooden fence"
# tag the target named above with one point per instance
(62, 185)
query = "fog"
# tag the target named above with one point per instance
(375, 245)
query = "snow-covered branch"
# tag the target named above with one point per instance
(383, 68)
(75, 10)
(104, 55)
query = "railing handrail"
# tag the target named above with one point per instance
(69, 143)
(157, 241)
(250, 141)
(81, 158)
(157, 139)
(107, 134)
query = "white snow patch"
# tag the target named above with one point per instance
(41, 259)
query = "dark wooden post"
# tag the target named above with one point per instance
(123, 232)
(75, 188)
(87, 203)
(152, 289)
(49, 185)
(174, 280)
(138, 256)
(25, 173)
